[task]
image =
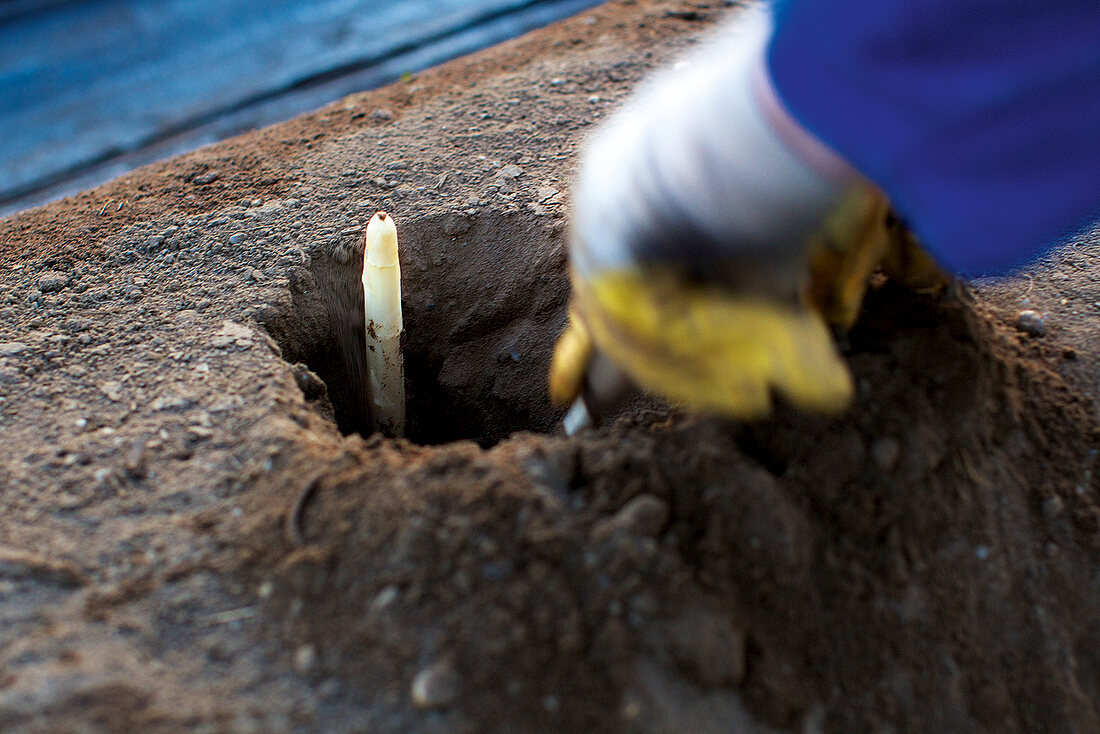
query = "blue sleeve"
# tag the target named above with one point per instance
(979, 118)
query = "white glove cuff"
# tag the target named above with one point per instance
(704, 164)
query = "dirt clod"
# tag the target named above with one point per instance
(1031, 322)
(435, 686)
(645, 515)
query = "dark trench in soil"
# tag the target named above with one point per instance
(484, 297)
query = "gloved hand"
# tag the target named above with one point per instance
(712, 238)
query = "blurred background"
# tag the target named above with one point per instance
(90, 89)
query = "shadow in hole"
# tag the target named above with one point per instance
(484, 300)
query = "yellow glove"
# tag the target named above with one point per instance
(713, 240)
(714, 350)
(862, 236)
(700, 346)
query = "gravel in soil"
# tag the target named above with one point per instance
(193, 535)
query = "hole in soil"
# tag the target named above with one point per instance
(484, 298)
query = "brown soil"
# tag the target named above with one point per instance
(189, 541)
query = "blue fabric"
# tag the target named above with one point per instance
(980, 118)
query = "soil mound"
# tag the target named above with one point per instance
(681, 574)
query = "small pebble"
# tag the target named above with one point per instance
(112, 389)
(173, 403)
(135, 460)
(1031, 322)
(52, 281)
(435, 686)
(328, 689)
(236, 239)
(1053, 507)
(304, 659)
(645, 515)
(385, 597)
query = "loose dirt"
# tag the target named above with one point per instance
(193, 537)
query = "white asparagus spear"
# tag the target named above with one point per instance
(382, 300)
